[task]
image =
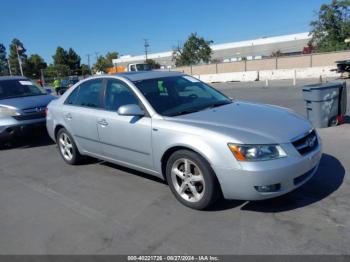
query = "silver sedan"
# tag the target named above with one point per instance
(173, 126)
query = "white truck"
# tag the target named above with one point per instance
(138, 67)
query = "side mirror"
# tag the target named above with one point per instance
(130, 110)
(48, 91)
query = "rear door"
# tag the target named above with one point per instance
(80, 114)
(124, 138)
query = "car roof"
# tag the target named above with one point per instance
(3, 78)
(143, 75)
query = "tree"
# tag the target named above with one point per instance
(85, 70)
(331, 27)
(73, 60)
(3, 61)
(14, 46)
(33, 65)
(277, 53)
(153, 64)
(101, 64)
(57, 71)
(216, 61)
(60, 57)
(195, 50)
(110, 56)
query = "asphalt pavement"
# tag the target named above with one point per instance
(49, 207)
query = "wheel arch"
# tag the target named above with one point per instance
(57, 128)
(166, 155)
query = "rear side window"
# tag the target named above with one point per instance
(87, 94)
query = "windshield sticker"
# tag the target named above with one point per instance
(26, 83)
(191, 79)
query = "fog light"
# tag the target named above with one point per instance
(268, 188)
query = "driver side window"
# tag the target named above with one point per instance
(118, 94)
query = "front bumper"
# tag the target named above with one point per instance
(290, 173)
(11, 128)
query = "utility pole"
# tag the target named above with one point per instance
(42, 77)
(19, 59)
(146, 45)
(8, 63)
(88, 59)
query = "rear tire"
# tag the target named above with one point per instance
(192, 180)
(67, 148)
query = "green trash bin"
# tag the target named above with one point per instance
(325, 103)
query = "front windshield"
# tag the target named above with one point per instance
(14, 88)
(172, 96)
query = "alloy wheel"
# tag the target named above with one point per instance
(188, 180)
(66, 146)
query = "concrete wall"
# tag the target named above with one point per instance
(231, 67)
(328, 59)
(265, 64)
(303, 61)
(204, 69)
(229, 77)
(293, 62)
(279, 74)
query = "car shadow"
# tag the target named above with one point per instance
(327, 180)
(224, 204)
(37, 138)
(134, 172)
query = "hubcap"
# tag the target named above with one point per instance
(188, 180)
(66, 147)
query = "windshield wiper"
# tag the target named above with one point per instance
(185, 112)
(189, 111)
(222, 103)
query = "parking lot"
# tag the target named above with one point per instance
(48, 207)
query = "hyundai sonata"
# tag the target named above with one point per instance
(175, 127)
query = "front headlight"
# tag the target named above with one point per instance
(256, 152)
(8, 111)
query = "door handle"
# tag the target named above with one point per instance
(68, 116)
(102, 122)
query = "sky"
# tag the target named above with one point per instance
(98, 26)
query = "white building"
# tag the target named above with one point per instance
(235, 51)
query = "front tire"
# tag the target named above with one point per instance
(192, 180)
(67, 148)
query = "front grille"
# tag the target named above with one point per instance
(31, 113)
(307, 143)
(300, 179)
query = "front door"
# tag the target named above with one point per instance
(124, 138)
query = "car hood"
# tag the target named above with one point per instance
(28, 102)
(250, 122)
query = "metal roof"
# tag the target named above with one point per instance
(260, 43)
